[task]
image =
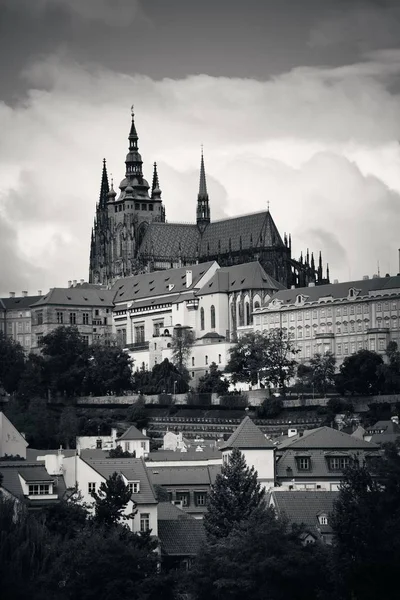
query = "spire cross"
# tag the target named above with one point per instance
(132, 111)
(268, 205)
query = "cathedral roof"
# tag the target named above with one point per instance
(171, 240)
(247, 276)
(158, 283)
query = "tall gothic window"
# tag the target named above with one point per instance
(212, 316)
(202, 318)
(247, 308)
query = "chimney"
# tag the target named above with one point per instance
(311, 284)
(189, 278)
(12, 294)
(82, 281)
(292, 432)
(365, 277)
(24, 293)
(292, 287)
(375, 276)
(74, 282)
(69, 283)
(336, 281)
(39, 292)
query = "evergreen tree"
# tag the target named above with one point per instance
(212, 382)
(234, 496)
(323, 371)
(183, 339)
(111, 501)
(12, 363)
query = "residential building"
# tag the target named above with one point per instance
(316, 459)
(134, 441)
(87, 308)
(31, 484)
(130, 232)
(213, 302)
(12, 442)
(15, 317)
(89, 473)
(311, 510)
(383, 432)
(258, 451)
(341, 318)
(99, 442)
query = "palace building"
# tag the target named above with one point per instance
(131, 234)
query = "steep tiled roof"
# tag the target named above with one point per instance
(304, 507)
(384, 426)
(326, 438)
(171, 239)
(337, 291)
(158, 283)
(133, 469)
(19, 302)
(133, 434)
(287, 465)
(183, 537)
(240, 233)
(191, 454)
(247, 276)
(166, 511)
(30, 472)
(182, 475)
(247, 436)
(77, 297)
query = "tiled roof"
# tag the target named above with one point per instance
(247, 276)
(304, 507)
(384, 438)
(157, 283)
(133, 434)
(326, 438)
(247, 436)
(167, 511)
(337, 291)
(385, 426)
(163, 240)
(182, 475)
(19, 302)
(240, 233)
(191, 454)
(30, 472)
(77, 297)
(182, 537)
(287, 464)
(133, 469)
(32, 454)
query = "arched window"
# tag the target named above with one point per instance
(212, 310)
(256, 304)
(202, 318)
(247, 308)
(233, 316)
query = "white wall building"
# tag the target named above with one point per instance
(12, 442)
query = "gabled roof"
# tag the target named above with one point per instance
(133, 434)
(197, 475)
(385, 426)
(326, 438)
(208, 453)
(366, 287)
(163, 240)
(30, 472)
(74, 296)
(304, 507)
(133, 469)
(179, 533)
(19, 302)
(247, 436)
(158, 283)
(247, 276)
(167, 511)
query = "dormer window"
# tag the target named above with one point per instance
(338, 463)
(134, 487)
(39, 489)
(303, 463)
(323, 519)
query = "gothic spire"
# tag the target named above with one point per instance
(104, 188)
(203, 208)
(320, 266)
(155, 188)
(133, 159)
(312, 262)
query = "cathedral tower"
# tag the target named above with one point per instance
(203, 207)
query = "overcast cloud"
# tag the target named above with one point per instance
(319, 142)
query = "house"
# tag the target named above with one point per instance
(383, 432)
(258, 451)
(12, 442)
(341, 318)
(316, 459)
(311, 510)
(134, 441)
(193, 456)
(87, 474)
(100, 442)
(15, 317)
(31, 484)
(181, 536)
(186, 486)
(174, 441)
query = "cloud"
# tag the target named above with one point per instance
(319, 144)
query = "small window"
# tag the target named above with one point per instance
(200, 498)
(137, 206)
(72, 318)
(133, 487)
(39, 489)
(212, 313)
(323, 520)
(219, 359)
(144, 522)
(151, 207)
(60, 317)
(303, 463)
(206, 359)
(192, 361)
(91, 487)
(202, 319)
(85, 318)
(183, 497)
(144, 207)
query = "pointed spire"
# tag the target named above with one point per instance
(104, 188)
(312, 262)
(203, 208)
(320, 259)
(327, 273)
(308, 257)
(155, 188)
(319, 272)
(133, 133)
(301, 257)
(133, 160)
(290, 241)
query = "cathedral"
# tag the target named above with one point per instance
(131, 235)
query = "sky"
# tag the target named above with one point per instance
(296, 103)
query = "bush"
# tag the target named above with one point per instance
(270, 408)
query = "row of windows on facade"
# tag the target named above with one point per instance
(328, 312)
(121, 207)
(206, 360)
(199, 498)
(347, 347)
(133, 487)
(71, 318)
(335, 463)
(20, 326)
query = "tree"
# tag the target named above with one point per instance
(359, 374)
(366, 522)
(33, 382)
(304, 375)
(390, 371)
(111, 501)
(138, 415)
(270, 408)
(212, 382)
(109, 370)
(162, 379)
(261, 558)
(183, 339)
(68, 427)
(323, 371)
(266, 357)
(12, 363)
(235, 494)
(119, 453)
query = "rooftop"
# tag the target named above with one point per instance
(325, 438)
(304, 507)
(247, 436)
(74, 296)
(247, 276)
(133, 434)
